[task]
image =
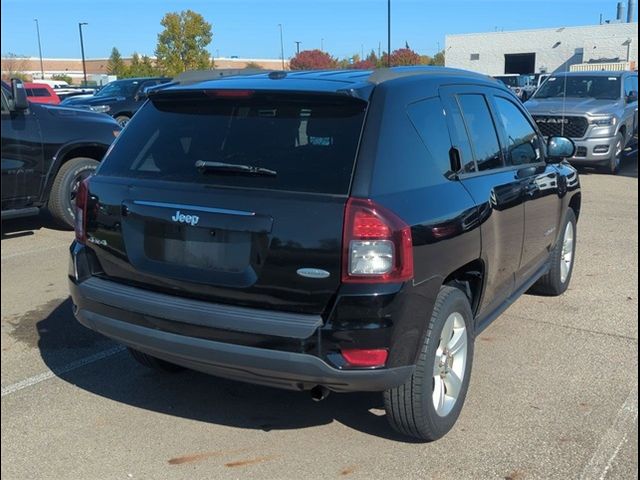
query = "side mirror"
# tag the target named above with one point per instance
(559, 148)
(632, 97)
(19, 94)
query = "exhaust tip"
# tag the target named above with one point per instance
(319, 393)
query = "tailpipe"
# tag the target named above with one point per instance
(319, 393)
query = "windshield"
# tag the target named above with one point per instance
(119, 88)
(598, 87)
(510, 81)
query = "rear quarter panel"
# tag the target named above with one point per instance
(393, 170)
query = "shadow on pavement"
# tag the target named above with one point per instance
(22, 227)
(197, 396)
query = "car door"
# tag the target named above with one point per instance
(22, 156)
(494, 187)
(541, 183)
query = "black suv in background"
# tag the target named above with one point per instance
(47, 151)
(120, 99)
(325, 231)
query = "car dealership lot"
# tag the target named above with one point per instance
(553, 391)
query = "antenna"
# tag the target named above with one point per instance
(564, 101)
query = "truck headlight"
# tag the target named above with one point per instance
(604, 121)
(100, 108)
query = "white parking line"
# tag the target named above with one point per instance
(613, 439)
(29, 252)
(28, 382)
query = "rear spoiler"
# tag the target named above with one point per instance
(195, 76)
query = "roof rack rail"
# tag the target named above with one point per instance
(385, 74)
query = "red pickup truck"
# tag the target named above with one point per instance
(41, 93)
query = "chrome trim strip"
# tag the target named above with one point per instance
(222, 211)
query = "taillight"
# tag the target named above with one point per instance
(229, 93)
(377, 245)
(82, 198)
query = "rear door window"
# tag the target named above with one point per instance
(428, 118)
(481, 130)
(308, 141)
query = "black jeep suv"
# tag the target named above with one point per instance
(325, 231)
(47, 151)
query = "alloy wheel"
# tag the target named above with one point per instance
(566, 259)
(449, 364)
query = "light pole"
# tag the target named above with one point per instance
(297, 47)
(281, 46)
(39, 49)
(388, 33)
(322, 44)
(627, 42)
(84, 65)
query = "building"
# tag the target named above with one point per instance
(543, 50)
(72, 67)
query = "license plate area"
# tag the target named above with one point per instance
(196, 247)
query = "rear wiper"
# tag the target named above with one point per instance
(207, 166)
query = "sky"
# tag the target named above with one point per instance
(249, 28)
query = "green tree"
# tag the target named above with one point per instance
(182, 44)
(438, 59)
(115, 65)
(63, 78)
(133, 69)
(147, 68)
(254, 65)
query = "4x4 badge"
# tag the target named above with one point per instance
(182, 218)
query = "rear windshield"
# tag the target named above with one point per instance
(307, 143)
(512, 81)
(37, 92)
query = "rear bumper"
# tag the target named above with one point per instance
(109, 308)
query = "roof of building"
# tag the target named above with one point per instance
(593, 73)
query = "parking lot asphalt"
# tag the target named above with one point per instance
(553, 394)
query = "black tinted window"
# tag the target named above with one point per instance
(522, 141)
(310, 141)
(459, 137)
(481, 130)
(37, 92)
(428, 118)
(630, 85)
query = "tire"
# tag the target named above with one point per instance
(122, 119)
(411, 408)
(613, 167)
(154, 363)
(556, 281)
(65, 184)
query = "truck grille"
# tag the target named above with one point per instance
(574, 127)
